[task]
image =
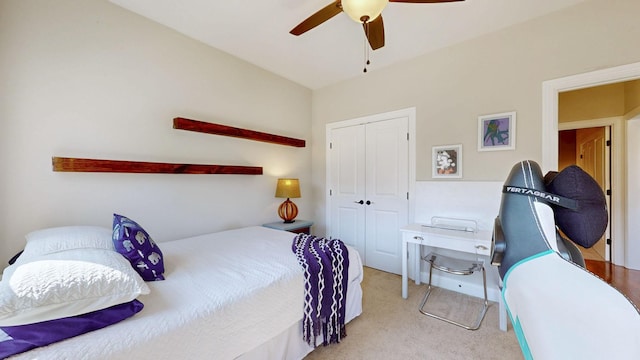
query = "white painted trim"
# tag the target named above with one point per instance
(550, 94)
(410, 113)
(632, 114)
(550, 91)
(633, 207)
(583, 124)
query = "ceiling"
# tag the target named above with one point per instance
(258, 31)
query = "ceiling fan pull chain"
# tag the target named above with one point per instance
(365, 56)
(366, 46)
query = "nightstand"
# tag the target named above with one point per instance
(298, 226)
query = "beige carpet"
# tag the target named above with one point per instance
(391, 327)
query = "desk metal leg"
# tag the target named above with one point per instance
(416, 263)
(502, 315)
(405, 276)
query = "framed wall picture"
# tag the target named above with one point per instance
(497, 132)
(447, 161)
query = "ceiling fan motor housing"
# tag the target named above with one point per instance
(362, 11)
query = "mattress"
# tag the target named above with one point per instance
(231, 294)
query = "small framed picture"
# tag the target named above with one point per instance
(497, 132)
(447, 161)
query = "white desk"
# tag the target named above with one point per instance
(478, 243)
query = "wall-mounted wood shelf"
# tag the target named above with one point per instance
(121, 166)
(217, 129)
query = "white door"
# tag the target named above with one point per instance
(347, 186)
(369, 185)
(593, 158)
(387, 169)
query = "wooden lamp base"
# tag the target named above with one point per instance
(288, 211)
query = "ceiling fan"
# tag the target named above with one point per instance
(366, 12)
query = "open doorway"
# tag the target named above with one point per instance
(625, 250)
(589, 148)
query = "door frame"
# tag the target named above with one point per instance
(410, 114)
(550, 95)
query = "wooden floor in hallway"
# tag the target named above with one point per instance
(625, 280)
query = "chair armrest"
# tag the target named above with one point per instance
(498, 244)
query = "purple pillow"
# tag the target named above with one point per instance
(27, 337)
(135, 244)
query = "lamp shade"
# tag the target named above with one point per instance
(288, 188)
(363, 10)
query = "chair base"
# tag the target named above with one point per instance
(444, 264)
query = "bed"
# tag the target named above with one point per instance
(235, 294)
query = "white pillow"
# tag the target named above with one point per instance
(66, 283)
(51, 240)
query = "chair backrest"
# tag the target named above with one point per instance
(536, 213)
(553, 304)
(525, 224)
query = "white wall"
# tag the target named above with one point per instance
(90, 79)
(470, 200)
(499, 72)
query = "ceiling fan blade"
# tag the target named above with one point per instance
(375, 32)
(318, 18)
(424, 1)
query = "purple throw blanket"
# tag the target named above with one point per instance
(325, 263)
(22, 338)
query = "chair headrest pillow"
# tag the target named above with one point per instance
(587, 223)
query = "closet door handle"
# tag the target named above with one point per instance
(369, 202)
(359, 202)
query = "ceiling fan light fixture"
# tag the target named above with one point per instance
(363, 10)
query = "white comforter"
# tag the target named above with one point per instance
(214, 304)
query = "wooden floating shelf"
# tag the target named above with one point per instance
(121, 166)
(217, 129)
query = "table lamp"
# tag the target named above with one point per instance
(288, 188)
